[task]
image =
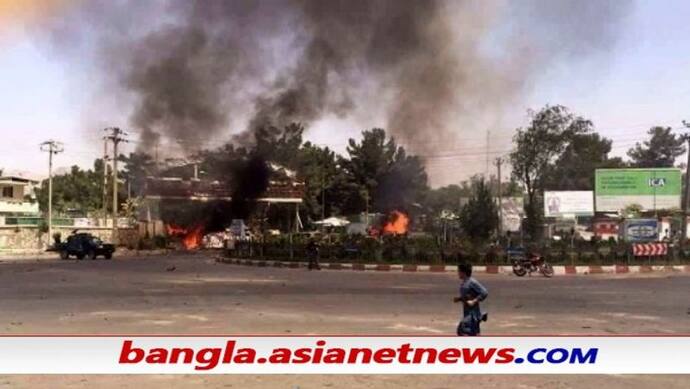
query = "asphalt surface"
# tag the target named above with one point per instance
(192, 294)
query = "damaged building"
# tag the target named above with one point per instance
(193, 208)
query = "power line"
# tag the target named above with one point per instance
(618, 143)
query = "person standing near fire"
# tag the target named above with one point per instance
(471, 293)
(313, 254)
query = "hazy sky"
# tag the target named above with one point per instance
(644, 82)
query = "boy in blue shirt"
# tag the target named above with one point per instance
(471, 293)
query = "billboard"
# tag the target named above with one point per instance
(641, 230)
(512, 211)
(653, 189)
(568, 203)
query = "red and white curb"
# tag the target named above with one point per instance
(488, 269)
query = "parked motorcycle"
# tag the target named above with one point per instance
(528, 264)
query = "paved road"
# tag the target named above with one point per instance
(194, 294)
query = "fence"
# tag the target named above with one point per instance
(35, 221)
(431, 251)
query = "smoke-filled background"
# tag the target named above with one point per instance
(436, 74)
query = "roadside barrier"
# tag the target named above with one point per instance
(487, 269)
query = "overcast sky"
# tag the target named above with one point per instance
(644, 82)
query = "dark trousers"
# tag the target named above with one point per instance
(314, 262)
(468, 326)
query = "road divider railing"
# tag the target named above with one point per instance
(485, 269)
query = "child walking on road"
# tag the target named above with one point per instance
(471, 293)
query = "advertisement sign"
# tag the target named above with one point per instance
(568, 204)
(641, 230)
(652, 189)
(512, 211)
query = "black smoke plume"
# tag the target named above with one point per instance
(437, 70)
(249, 179)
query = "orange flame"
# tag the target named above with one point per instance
(397, 223)
(191, 238)
(174, 230)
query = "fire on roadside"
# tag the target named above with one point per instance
(396, 224)
(191, 237)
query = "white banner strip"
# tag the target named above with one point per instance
(343, 355)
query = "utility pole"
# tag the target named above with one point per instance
(116, 136)
(323, 197)
(51, 147)
(499, 163)
(686, 195)
(105, 181)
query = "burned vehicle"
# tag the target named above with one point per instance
(83, 245)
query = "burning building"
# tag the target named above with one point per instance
(189, 209)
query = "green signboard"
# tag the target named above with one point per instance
(653, 189)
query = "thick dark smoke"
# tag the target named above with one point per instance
(249, 180)
(177, 91)
(346, 43)
(185, 74)
(439, 70)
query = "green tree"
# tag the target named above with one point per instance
(217, 163)
(382, 174)
(574, 168)
(319, 170)
(444, 199)
(479, 217)
(280, 145)
(315, 166)
(403, 185)
(632, 211)
(509, 188)
(512, 188)
(137, 166)
(378, 170)
(78, 191)
(536, 148)
(661, 150)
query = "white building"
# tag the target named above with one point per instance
(17, 196)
